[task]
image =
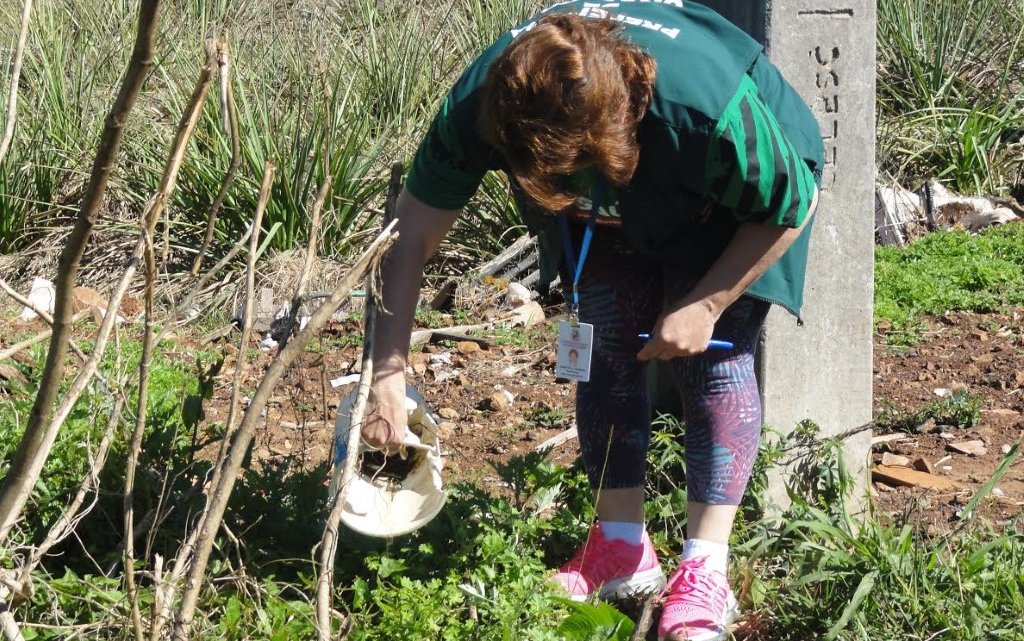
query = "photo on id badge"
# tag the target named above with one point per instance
(575, 342)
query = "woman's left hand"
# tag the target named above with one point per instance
(684, 331)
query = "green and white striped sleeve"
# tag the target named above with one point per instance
(752, 169)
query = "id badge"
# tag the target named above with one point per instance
(575, 345)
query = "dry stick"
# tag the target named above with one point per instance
(24, 468)
(229, 118)
(307, 263)
(269, 169)
(12, 96)
(643, 624)
(329, 539)
(243, 437)
(136, 444)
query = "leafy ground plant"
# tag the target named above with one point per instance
(948, 271)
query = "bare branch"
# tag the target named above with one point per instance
(329, 538)
(12, 95)
(24, 467)
(240, 444)
(307, 263)
(229, 118)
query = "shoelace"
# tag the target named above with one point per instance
(689, 587)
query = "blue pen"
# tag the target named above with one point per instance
(712, 344)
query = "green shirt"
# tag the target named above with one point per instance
(725, 140)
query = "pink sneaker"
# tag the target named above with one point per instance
(698, 604)
(613, 569)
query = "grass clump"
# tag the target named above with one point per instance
(948, 271)
(960, 409)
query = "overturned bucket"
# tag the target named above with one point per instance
(391, 495)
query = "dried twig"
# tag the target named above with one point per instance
(329, 538)
(269, 170)
(307, 263)
(243, 437)
(34, 446)
(643, 624)
(229, 119)
(12, 94)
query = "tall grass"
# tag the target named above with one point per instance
(950, 92)
(337, 87)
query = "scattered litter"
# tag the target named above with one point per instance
(527, 315)
(441, 377)
(345, 380)
(444, 358)
(268, 343)
(518, 294)
(947, 468)
(971, 448)
(42, 296)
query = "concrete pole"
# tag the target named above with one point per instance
(822, 370)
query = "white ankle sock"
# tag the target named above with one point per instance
(717, 553)
(631, 533)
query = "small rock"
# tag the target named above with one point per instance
(498, 449)
(419, 368)
(531, 435)
(445, 430)
(922, 465)
(287, 444)
(1006, 448)
(971, 448)
(883, 488)
(947, 436)
(998, 492)
(498, 401)
(1002, 413)
(947, 468)
(467, 347)
(927, 427)
(942, 391)
(448, 413)
(895, 460)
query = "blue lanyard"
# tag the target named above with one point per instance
(576, 267)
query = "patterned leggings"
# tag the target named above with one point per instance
(622, 293)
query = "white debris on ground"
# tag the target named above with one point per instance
(902, 215)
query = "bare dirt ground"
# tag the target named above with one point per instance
(466, 385)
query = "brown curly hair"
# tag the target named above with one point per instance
(567, 95)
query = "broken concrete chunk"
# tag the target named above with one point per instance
(971, 448)
(922, 465)
(895, 460)
(906, 477)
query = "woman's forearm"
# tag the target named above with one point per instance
(420, 230)
(753, 249)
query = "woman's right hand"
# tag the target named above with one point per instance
(387, 420)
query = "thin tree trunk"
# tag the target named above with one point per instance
(269, 169)
(329, 539)
(240, 444)
(12, 95)
(229, 119)
(22, 474)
